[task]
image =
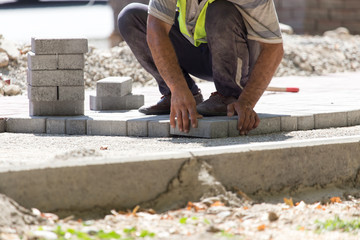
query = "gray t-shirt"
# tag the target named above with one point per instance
(260, 16)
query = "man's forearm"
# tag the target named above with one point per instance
(164, 54)
(264, 69)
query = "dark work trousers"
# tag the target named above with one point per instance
(227, 58)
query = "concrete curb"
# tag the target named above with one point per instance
(122, 183)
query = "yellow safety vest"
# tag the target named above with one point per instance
(199, 31)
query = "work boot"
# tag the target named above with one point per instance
(163, 106)
(216, 105)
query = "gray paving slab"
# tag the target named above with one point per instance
(2, 125)
(267, 125)
(26, 125)
(56, 108)
(71, 93)
(137, 127)
(159, 128)
(55, 61)
(55, 125)
(61, 46)
(353, 118)
(76, 126)
(306, 122)
(42, 93)
(207, 128)
(71, 61)
(107, 127)
(114, 87)
(288, 123)
(55, 78)
(126, 102)
(327, 120)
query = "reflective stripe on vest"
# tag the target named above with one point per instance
(199, 31)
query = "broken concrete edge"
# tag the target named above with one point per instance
(101, 183)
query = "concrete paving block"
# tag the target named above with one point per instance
(328, 120)
(353, 118)
(114, 87)
(71, 61)
(71, 93)
(267, 125)
(116, 103)
(56, 108)
(55, 125)
(56, 78)
(42, 93)
(42, 62)
(106, 127)
(306, 122)
(61, 46)
(137, 127)
(76, 126)
(207, 128)
(2, 125)
(159, 128)
(26, 125)
(288, 123)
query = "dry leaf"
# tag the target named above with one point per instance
(104, 148)
(289, 202)
(261, 227)
(335, 200)
(135, 210)
(217, 204)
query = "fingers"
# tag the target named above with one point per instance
(182, 118)
(172, 118)
(194, 117)
(231, 110)
(185, 122)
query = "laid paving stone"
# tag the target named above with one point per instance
(353, 118)
(55, 125)
(159, 128)
(56, 78)
(306, 122)
(71, 93)
(2, 125)
(327, 120)
(61, 46)
(26, 125)
(114, 87)
(42, 93)
(288, 123)
(116, 103)
(106, 127)
(76, 126)
(207, 128)
(137, 127)
(56, 108)
(42, 62)
(71, 61)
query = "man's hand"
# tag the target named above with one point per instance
(183, 106)
(247, 117)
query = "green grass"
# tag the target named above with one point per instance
(338, 224)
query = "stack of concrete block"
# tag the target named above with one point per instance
(56, 76)
(114, 93)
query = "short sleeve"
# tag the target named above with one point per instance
(261, 20)
(164, 10)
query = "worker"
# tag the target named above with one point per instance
(237, 44)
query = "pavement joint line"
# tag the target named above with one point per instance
(233, 166)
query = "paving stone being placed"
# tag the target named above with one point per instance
(55, 125)
(268, 124)
(76, 126)
(60, 46)
(288, 123)
(306, 122)
(42, 93)
(2, 125)
(114, 87)
(106, 127)
(26, 125)
(353, 118)
(159, 128)
(56, 108)
(207, 128)
(71, 93)
(327, 120)
(56, 78)
(116, 103)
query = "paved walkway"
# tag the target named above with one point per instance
(323, 102)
